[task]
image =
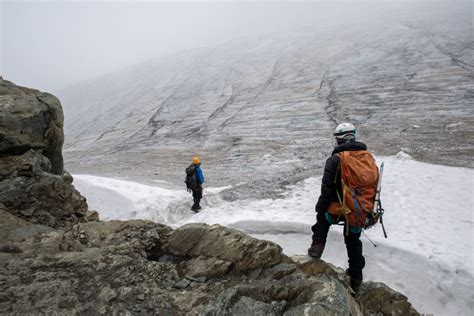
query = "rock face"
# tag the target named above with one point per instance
(30, 119)
(33, 184)
(57, 258)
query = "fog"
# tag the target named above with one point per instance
(50, 45)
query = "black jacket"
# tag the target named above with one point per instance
(329, 189)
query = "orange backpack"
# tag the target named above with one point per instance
(359, 177)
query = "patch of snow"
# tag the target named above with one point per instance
(161, 181)
(403, 155)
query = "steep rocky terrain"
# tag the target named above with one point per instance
(261, 110)
(58, 258)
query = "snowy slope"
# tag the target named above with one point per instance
(428, 255)
(403, 74)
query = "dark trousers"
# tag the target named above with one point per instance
(352, 241)
(197, 195)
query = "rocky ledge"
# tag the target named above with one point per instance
(140, 267)
(56, 257)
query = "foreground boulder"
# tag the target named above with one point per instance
(139, 267)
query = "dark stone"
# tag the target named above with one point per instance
(10, 248)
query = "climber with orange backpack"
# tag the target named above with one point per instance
(350, 186)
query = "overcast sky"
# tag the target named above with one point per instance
(49, 45)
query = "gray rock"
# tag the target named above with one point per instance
(40, 197)
(33, 184)
(247, 306)
(207, 267)
(378, 299)
(244, 252)
(92, 216)
(30, 119)
(182, 284)
(67, 176)
(294, 294)
(113, 268)
(14, 229)
(283, 269)
(201, 279)
(312, 266)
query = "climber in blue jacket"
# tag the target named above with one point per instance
(194, 181)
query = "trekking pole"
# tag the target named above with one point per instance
(377, 208)
(369, 239)
(381, 211)
(383, 227)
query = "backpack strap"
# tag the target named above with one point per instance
(342, 201)
(343, 207)
(337, 169)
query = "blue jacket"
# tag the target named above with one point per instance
(199, 175)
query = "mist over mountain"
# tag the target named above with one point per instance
(261, 110)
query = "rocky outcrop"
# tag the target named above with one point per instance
(143, 267)
(29, 191)
(33, 184)
(56, 258)
(30, 119)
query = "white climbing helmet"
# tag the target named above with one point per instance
(345, 131)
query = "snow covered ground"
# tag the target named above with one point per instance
(428, 255)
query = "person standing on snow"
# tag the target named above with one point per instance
(331, 187)
(194, 181)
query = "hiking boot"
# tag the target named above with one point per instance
(195, 208)
(355, 284)
(316, 249)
